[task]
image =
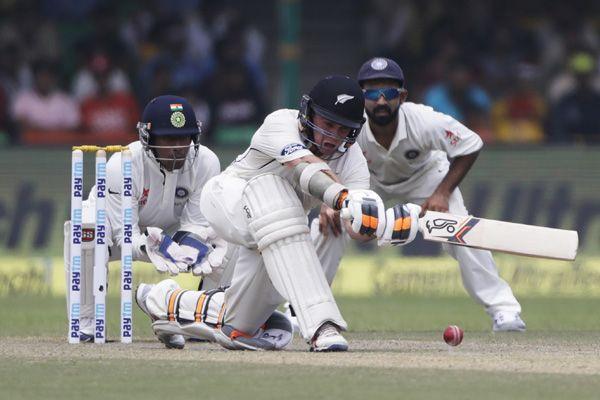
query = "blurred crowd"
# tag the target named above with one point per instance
(75, 71)
(514, 71)
(80, 71)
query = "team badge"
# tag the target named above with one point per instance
(144, 199)
(181, 192)
(342, 98)
(177, 119)
(379, 64)
(292, 148)
(452, 138)
(411, 154)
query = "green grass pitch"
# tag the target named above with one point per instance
(397, 352)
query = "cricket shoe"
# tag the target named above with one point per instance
(275, 334)
(291, 315)
(85, 338)
(505, 321)
(86, 329)
(328, 338)
(232, 339)
(170, 340)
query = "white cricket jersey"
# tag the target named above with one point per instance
(278, 141)
(162, 199)
(424, 138)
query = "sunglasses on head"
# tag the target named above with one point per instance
(388, 93)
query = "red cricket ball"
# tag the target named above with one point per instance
(453, 335)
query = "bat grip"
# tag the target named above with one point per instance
(346, 214)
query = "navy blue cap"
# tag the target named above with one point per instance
(170, 116)
(380, 68)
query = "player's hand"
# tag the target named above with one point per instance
(165, 254)
(438, 201)
(329, 219)
(402, 224)
(205, 250)
(366, 212)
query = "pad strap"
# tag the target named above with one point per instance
(173, 309)
(199, 307)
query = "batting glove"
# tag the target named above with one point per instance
(401, 226)
(366, 212)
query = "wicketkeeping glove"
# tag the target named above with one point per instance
(365, 210)
(402, 224)
(204, 248)
(165, 254)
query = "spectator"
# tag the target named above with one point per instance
(518, 116)
(574, 117)
(5, 126)
(566, 80)
(235, 95)
(462, 99)
(183, 70)
(108, 111)
(45, 107)
(85, 83)
(10, 82)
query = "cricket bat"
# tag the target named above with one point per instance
(508, 237)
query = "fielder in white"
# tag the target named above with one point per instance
(296, 161)
(169, 170)
(407, 147)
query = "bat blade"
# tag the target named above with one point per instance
(508, 237)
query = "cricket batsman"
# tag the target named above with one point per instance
(170, 169)
(408, 147)
(296, 160)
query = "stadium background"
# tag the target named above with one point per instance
(508, 71)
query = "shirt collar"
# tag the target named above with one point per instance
(398, 136)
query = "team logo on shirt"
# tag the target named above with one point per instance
(292, 148)
(181, 192)
(144, 198)
(452, 137)
(412, 154)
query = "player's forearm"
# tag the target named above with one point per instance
(459, 167)
(317, 179)
(312, 159)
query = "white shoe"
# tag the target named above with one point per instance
(170, 341)
(289, 313)
(328, 338)
(508, 322)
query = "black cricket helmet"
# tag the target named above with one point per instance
(168, 116)
(338, 99)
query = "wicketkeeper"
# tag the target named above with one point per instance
(169, 169)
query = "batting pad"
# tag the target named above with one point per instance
(280, 227)
(193, 313)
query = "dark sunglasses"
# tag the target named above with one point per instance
(388, 93)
